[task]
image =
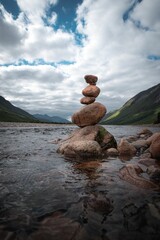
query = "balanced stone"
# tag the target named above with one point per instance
(91, 91)
(91, 79)
(87, 100)
(89, 115)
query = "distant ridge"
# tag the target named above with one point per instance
(10, 113)
(143, 108)
(54, 119)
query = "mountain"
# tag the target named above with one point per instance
(54, 119)
(10, 113)
(143, 108)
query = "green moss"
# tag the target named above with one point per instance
(101, 134)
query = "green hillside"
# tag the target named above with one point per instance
(141, 109)
(10, 113)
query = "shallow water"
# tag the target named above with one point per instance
(45, 196)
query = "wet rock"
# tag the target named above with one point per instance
(145, 155)
(91, 79)
(56, 226)
(100, 204)
(125, 148)
(80, 148)
(87, 100)
(155, 176)
(90, 135)
(152, 138)
(112, 152)
(145, 133)
(89, 115)
(130, 173)
(148, 161)
(155, 147)
(91, 91)
(140, 144)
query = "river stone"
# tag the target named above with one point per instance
(155, 147)
(87, 100)
(126, 148)
(91, 91)
(91, 79)
(152, 138)
(89, 115)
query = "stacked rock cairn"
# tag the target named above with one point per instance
(94, 111)
(90, 140)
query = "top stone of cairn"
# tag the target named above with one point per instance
(91, 79)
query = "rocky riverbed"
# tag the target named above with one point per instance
(44, 195)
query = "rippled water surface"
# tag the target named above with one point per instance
(45, 196)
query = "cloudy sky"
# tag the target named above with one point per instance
(47, 46)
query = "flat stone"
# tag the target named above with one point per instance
(91, 91)
(91, 79)
(87, 100)
(89, 115)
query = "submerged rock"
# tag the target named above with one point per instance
(130, 173)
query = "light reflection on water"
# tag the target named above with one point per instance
(45, 196)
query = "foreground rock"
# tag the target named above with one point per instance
(125, 148)
(89, 115)
(87, 142)
(130, 173)
(155, 147)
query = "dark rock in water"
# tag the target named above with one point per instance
(130, 173)
(155, 176)
(89, 115)
(87, 141)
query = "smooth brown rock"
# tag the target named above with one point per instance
(87, 100)
(87, 141)
(80, 148)
(91, 91)
(155, 147)
(130, 173)
(152, 138)
(91, 79)
(112, 152)
(89, 115)
(125, 148)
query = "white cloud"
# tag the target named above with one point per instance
(113, 49)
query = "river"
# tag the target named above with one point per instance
(46, 196)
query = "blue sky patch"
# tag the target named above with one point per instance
(153, 57)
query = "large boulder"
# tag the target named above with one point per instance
(155, 147)
(87, 142)
(89, 115)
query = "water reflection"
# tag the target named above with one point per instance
(44, 196)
